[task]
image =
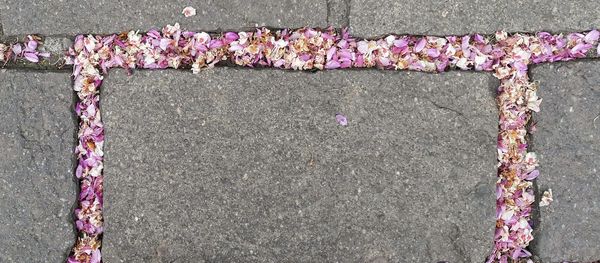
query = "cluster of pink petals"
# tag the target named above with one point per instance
(27, 50)
(507, 56)
(89, 153)
(516, 100)
(551, 48)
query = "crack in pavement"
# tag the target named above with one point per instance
(328, 13)
(347, 16)
(460, 114)
(342, 9)
(1, 28)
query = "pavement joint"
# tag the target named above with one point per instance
(338, 12)
(1, 28)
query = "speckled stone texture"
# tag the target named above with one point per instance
(568, 141)
(374, 17)
(112, 16)
(245, 165)
(238, 165)
(37, 190)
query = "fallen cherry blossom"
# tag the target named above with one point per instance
(507, 56)
(546, 198)
(341, 119)
(189, 11)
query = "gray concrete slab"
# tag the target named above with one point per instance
(568, 141)
(235, 165)
(111, 16)
(374, 17)
(37, 189)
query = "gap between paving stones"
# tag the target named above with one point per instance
(1, 28)
(57, 45)
(338, 12)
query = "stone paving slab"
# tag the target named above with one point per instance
(568, 140)
(374, 17)
(51, 17)
(238, 165)
(37, 189)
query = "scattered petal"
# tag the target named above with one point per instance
(532, 175)
(189, 11)
(17, 49)
(96, 256)
(341, 119)
(592, 36)
(546, 198)
(31, 57)
(420, 45)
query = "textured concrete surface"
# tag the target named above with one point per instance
(366, 17)
(254, 168)
(569, 145)
(37, 190)
(250, 166)
(110, 16)
(373, 17)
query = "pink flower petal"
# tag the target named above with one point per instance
(79, 171)
(420, 45)
(384, 61)
(363, 47)
(96, 256)
(332, 64)
(479, 39)
(331, 52)
(189, 11)
(17, 49)
(580, 48)
(465, 43)
(215, 43)
(153, 34)
(433, 52)
(279, 63)
(31, 45)
(341, 119)
(498, 192)
(78, 43)
(532, 175)
(592, 36)
(164, 43)
(32, 57)
(235, 47)
(231, 36)
(400, 43)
